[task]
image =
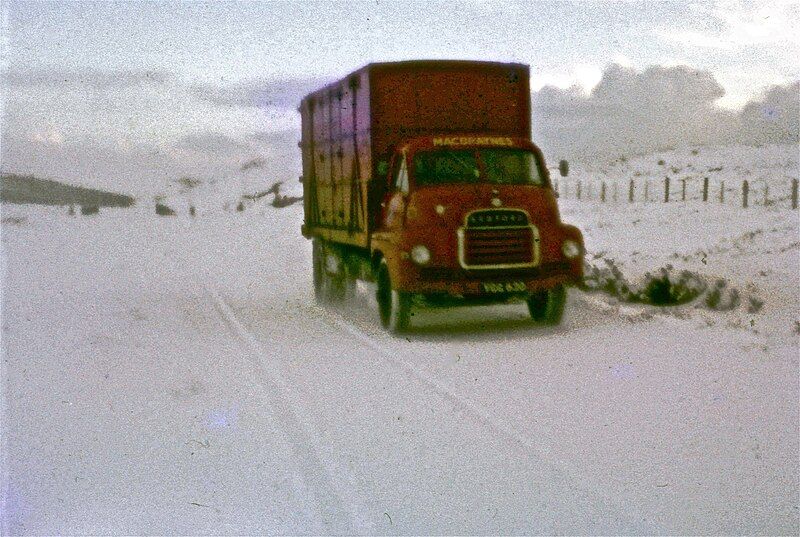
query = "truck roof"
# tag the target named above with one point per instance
(415, 64)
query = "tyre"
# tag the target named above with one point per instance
(318, 270)
(394, 306)
(547, 307)
(328, 288)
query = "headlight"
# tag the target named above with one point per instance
(420, 255)
(571, 249)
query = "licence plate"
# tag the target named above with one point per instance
(503, 287)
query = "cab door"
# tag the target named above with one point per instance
(394, 204)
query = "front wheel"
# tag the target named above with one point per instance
(394, 306)
(547, 307)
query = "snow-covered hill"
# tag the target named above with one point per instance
(174, 375)
(726, 162)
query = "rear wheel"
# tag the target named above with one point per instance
(318, 269)
(394, 306)
(329, 287)
(547, 307)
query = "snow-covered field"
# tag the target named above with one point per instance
(174, 375)
(768, 170)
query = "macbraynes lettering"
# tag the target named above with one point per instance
(473, 140)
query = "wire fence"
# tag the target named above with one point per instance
(745, 193)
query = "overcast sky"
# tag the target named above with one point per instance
(130, 95)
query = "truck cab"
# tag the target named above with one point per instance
(471, 219)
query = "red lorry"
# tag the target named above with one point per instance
(421, 176)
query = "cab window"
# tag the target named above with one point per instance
(401, 176)
(445, 167)
(511, 167)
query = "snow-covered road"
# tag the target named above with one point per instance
(176, 376)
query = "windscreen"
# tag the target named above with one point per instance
(444, 167)
(498, 166)
(511, 167)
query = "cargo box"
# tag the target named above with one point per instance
(351, 127)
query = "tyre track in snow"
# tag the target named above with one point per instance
(589, 495)
(334, 496)
(592, 499)
(340, 322)
(333, 499)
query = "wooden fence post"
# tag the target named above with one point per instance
(683, 190)
(666, 190)
(578, 191)
(722, 192)
(603, 192)
(705, 188)
(630, 192)
(745, 192)
(794, 193)
(766, 194)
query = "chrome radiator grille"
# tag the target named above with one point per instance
(498, 238)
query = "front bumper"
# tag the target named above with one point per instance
(466, 283)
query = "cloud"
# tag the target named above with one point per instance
(671, 87)
(729, 25)
(584, 76)
(622, 60)
(773, 117)
(632, 111)
(50, 135)
(258, 93)
(688, 38)
(88, 78)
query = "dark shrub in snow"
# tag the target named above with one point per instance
(164, 210)
(284, 201)
(722, 299)
(658, 291)
(755, 305)
(89, 209)
(14, 220)
(663, 291)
